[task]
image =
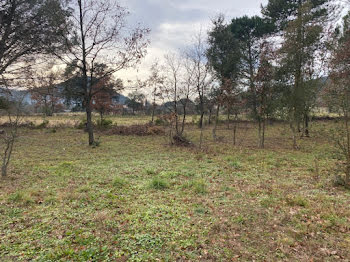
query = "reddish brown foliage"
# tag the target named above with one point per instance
(102, 99)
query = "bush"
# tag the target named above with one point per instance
(137, 130)
(158, 183)
(199, 186)
(159, 122)
(150, 171)
(194, 119)
(339, 181)
(82, 124)
(43, 125)
(181, 141)
(20, 197)
(104, 122)
(119, 182)
(96, 143)
(297, 201)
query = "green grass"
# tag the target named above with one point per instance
(139, 199)
(159, 183)
(119, 182)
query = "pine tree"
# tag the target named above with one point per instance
(300, 22)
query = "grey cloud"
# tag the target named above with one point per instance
(174, 22)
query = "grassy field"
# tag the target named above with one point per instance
(73, 119)
(139, 199)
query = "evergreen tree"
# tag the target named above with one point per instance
(249, 31)
(224, 54)
(300, 23)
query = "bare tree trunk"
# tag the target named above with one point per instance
(175, 108)
(153, 109)
(235, 123)
(89, 123)
(263, 134)
(4, 170)
(101, 116)
(183, 119)
(201, 137)
(228, 119)
(5, 159)
(262, 125)
(260, 132)
(85, 79)
(235, 129)
(209, 117)
(306, 129)
(201, 117)
(234, 133)
(294, 129)
(201, 124)
(216, 121)
(8, 154)
(52, 108)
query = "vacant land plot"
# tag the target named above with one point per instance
(139, 199)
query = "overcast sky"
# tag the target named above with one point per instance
(174, 22)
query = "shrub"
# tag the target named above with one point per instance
(96, 143)
(339, 181)
(297, 201)
(119, 182)
(150, 171)
(82, 124)
(181, 141)
(158, 183)
(194, 119)
(136, 130)
(159, 122)
(20, 197)
(236, 164)
(198, 186)
(104, 123)
(43, 125)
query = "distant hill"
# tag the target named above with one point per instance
(16, 93)
(27, 97)
(120, 99)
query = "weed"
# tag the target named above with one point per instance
(297, 201)
(20, 197)
(150, 171)
(104, 123)
(159, 183)
(199, 186)
(119, 182)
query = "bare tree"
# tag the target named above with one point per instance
(186, 91)
(231, 99)
(155, 82)
(99, 34)
(264, 89)
(12, 105)
(197, 59)
(44, 89)
(170, 90)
